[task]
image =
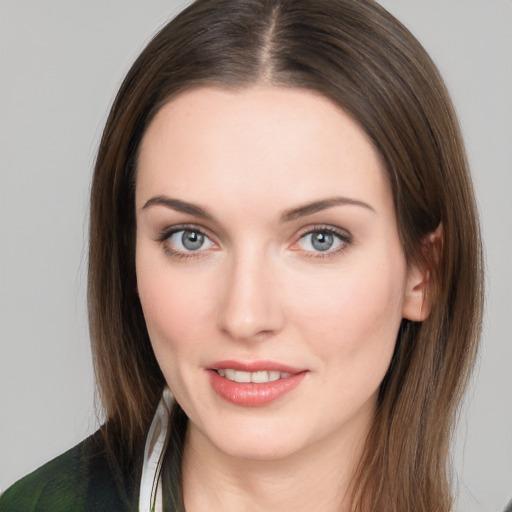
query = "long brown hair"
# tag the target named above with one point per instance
(359, 56)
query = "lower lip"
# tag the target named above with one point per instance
(249, 394)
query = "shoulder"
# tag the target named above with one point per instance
(56, 485)
(79, 480)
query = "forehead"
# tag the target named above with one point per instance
(257, 141)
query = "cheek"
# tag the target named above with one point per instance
(175, 306)
(174, 310)
(355, 316)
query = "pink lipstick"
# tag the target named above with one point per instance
(253, 384)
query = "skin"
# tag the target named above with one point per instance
(258, 289)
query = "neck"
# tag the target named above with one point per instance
(316, 478)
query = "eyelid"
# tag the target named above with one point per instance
(315, 228)
(342, 234)
(165, 234)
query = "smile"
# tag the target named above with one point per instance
(254, 384)
(258, 377)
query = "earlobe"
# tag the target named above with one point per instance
(418, 294)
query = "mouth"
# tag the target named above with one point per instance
(259, 377)
(254, 384)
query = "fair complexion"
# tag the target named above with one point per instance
(267, 240)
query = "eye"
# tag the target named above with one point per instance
(323, 240)
(187, 241)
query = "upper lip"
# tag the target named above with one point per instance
(256, 366)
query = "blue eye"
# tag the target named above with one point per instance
(323, 241)
(189, 240)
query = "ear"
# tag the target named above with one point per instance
(418, 294)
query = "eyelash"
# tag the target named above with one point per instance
(164, 237)
(343, 236)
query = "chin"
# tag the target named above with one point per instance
(251, 439)
(260, 449)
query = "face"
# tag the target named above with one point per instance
(269, 267)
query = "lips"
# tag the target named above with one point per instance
(258, 377)
(253, 384)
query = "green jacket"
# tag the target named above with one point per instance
(80, 480)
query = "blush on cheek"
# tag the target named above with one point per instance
(358, 324)
(174, 314)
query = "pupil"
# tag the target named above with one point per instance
(322, 241)
(192, 240)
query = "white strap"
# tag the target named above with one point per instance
(150, 495)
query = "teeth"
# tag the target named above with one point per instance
(256, 377)
(242, 376)
(259, 377)
(229, 374)
(273, 376)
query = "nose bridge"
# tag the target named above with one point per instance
(249, 307)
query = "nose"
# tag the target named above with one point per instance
(250, 308)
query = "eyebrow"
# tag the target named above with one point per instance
(318, 206)
(286, 216)
(179, 206)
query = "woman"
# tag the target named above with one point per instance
(283, 232)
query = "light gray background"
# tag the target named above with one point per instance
(61, 63)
